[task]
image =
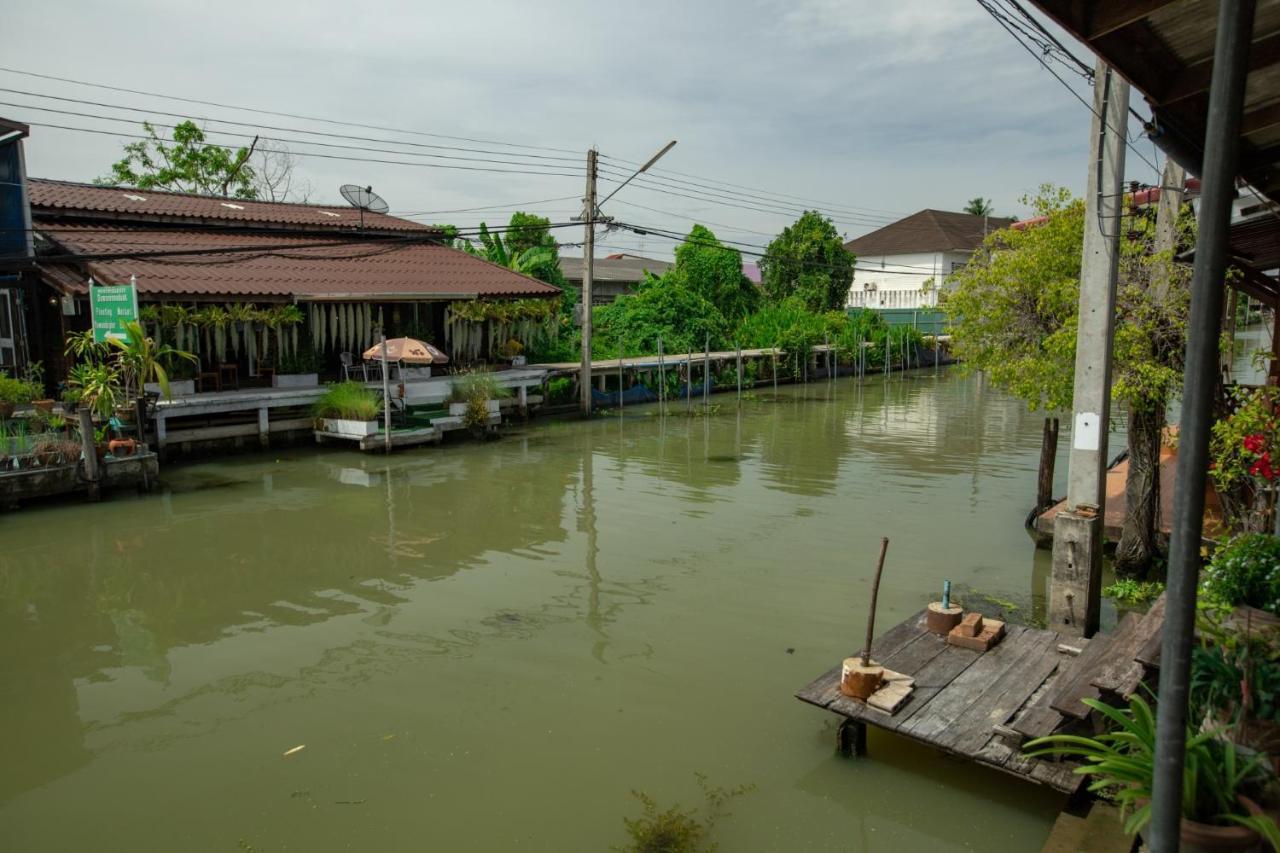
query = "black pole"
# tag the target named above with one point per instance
(1226, 96)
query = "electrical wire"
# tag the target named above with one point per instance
(334, 122)
(317, 155)
(332, 145)
(258, 126)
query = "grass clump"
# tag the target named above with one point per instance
(679, 829)
(348, 401)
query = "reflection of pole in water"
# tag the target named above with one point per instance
(595, 621)
(391, 520)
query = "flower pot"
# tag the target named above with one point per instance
(119, 447)
(43, 407)
(494, 406)
(519, 361)
(295, 380)
(70, 406)
(457, 410)
(1199, 837)
(354, 429)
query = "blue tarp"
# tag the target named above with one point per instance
(641, 393)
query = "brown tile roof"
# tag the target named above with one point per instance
(66, 198)
(928, 231)
(278, 267)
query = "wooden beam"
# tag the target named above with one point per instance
(1107, 16)
(1260, 119)
(1194, 80)
(1261, 287)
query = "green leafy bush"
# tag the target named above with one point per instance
(478, 385)
(16, 391)
(348, 401)
(679, 829)
(1134, 593)
(1245, 570)
(560, 390)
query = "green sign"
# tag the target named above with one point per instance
(112, 305)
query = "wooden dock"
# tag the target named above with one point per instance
(966, 703)
(1117, 507)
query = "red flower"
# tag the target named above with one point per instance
(1262, 468)
(1254, 443)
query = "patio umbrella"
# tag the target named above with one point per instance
(408, 350)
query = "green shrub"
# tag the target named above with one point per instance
(1134, 593)
(1245, 570)
(17, 391)
(349, 401)
(560, 390)
(477, 385)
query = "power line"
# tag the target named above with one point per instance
(334, 122)
(322, 156)
(258, 126)
(512, 206)
(1004, 22)
(825, 204)
(332, 145)
(742, 206)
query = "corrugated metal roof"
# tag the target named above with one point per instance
(928, 231)
(281, 268)
(628, 268)
(88, 200)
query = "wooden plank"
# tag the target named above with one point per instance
(916, 654)
(1077, 681)
(973, 728)
(1038, 721)
(1121, 674)
(931, 723)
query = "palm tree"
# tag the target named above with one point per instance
(979, 207)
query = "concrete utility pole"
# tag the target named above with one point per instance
(1075, 586)
(588, 270)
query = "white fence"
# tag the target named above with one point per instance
(893, 298)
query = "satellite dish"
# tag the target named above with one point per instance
(364, 198)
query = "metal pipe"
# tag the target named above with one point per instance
(1222, 133)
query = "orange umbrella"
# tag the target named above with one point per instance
(408, 350)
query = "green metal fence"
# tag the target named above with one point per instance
(928, 321)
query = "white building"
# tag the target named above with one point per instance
(903, 264)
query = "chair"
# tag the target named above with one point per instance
(349, 365)
(208, 378)
(229, 375)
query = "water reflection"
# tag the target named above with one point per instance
(552, 559)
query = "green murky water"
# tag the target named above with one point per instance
(487, 647)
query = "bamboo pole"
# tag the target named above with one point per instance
(875, 592)
(662, 381)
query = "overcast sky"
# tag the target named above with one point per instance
(876, 108)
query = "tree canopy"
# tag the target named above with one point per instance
(186, 164)
(1014, 309)
(713, 271)
(979, 207)
(528, 247)
(809, 260)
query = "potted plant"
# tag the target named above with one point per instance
(141, 360)
(1243, 572)
(1216, 812)
(70, 400)
(182, 379)
(13, 393)
(34, 377)
(479, 385)
(348, 408)
(513, 351)
(299, 369)
(98, 385)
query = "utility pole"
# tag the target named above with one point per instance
(589, 211)
(1075, 585)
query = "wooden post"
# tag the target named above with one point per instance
(1048, 456)
(90, 452)
(662, 381)
(706, 373)
(264, 427)
(875, 593)
(386, 392)
(739, 375)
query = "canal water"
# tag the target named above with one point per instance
(491, 646)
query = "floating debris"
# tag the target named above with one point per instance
(297, 748)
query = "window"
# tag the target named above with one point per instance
(956, 266)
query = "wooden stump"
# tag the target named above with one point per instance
(860, 681)
(941, 620)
